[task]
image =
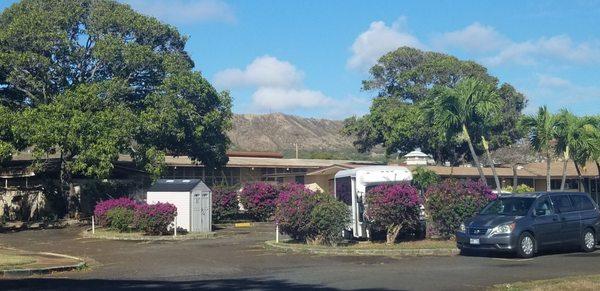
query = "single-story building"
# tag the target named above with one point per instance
(317, 174)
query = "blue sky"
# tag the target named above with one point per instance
(309, 57)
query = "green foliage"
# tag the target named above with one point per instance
(120, 218)
(406, 80)
(83, 125)
(451, 202)
(329, 219)
(6, 134)
(522, 188)
(423, 178)
(541, 129)
(92, 79)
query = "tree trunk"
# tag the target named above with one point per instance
(564, 169)
(392, 234)
(489, 157)
(67, 188)
(515, 178)
(548, 165)
(579, 179)
(474, 155)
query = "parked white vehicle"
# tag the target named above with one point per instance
(352, 185)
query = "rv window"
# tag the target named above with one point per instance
(343, 190)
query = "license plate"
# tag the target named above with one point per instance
(474, 241)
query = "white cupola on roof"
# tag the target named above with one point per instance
(417, 157)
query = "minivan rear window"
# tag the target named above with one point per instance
(562, 203)
(582, 202)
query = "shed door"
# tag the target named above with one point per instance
(201, 211)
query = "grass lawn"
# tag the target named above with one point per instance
(418, 244)
(10, 259)
(591, 282)
(136, 235)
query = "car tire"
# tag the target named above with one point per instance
(588, 240)
(526, 245)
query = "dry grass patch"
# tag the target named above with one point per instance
(9, 259)
(591, 282)
(367, 245)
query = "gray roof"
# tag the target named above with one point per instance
(176, 185)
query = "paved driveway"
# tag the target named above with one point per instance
(239, 261)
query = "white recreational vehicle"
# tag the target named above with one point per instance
(351, 185)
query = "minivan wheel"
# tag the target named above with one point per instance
(526, 245)
(588, 241)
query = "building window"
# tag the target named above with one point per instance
(299, 179)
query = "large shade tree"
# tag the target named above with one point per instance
(92, 79)
(404, 79)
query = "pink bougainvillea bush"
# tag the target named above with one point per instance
(393, 208)
(224, 203)
(103, 207)
(154, 219)
(309, 216)
(259, 200)
(294, 206)
(451, 202)
(129, 215)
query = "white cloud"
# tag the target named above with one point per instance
(278, 86)
(185, 11)
(551, 81)
(265, 71)
(271, 98)
(558, 93)
(473, 38)
(376, 41)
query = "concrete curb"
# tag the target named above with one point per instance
(209, 235)
(46, 270)
(339, 251)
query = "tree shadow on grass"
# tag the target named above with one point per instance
(100, 284)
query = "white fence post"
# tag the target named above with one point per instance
(93, 226)
(175, 229)
(277, 233)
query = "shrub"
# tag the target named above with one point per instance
(259, 200)
(393, 208)
(451, 202)
(423, 178)
(523, 188)
(120, 218)
(293, 212)
(154, 219)
(329, 220)
(309, 216)
(104, 206)
(224, 203)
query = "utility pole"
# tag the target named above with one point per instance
(296, 145)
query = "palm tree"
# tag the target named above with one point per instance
(471, 101)
(489, 158)
(586, 144)
(542, 130)
(566, 127)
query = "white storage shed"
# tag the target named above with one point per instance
(192, 198)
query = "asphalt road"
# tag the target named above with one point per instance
(239, 261)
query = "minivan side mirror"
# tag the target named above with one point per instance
(540, 212)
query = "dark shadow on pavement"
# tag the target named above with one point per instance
(98, 284)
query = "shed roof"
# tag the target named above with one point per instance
(177, 185)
